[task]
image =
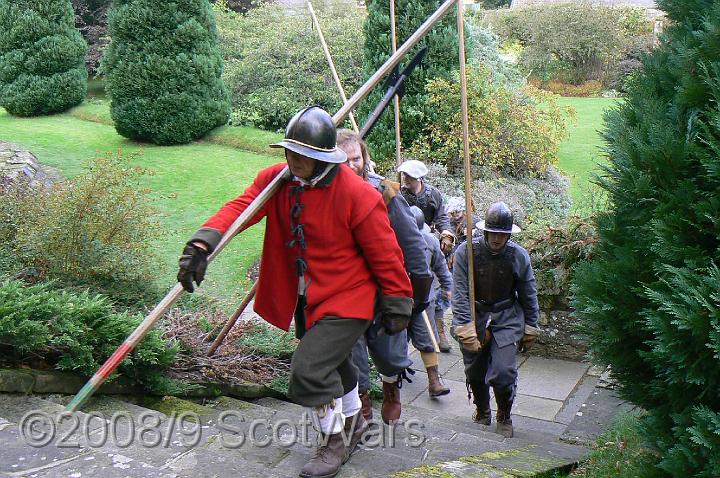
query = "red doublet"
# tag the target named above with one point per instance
(351, 249)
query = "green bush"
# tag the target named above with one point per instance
(163, 70)
(95, 230)
(571, 42)
(76, 332)
(42, 57)
(509, 132)
(274, 63)
(440, 62)
(269, 341)
(650, 300)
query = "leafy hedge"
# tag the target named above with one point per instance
(77, 332)
(42, 67)
(275, 66)
(573, 42)
(163, 70)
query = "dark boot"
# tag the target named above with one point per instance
(366, 408)
(504, 404)
(481, 398)
(435, 386)
(443, 342)
(328, 458)
(355, 427)
(391, 402)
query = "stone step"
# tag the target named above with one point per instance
(53, 448)
(450, 439)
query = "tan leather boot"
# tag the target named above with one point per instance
(355, 427)
(328, 458)
(443, 342)
(435, 386)
(366, 406)
(391, 403)
(504, 404)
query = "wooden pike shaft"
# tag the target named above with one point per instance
(330, 61)
(466, 155)
(231, 321)
(431, 332)
(396, 100)
(391, 62)
(131, 342)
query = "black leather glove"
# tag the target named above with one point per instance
(193, 263)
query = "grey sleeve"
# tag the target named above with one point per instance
(526, 288)
(408, 236)
(439, 266)
(441, 221)
(460, 294)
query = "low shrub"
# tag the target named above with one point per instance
(536, 202)
(95, 230)
(512, 133)
(77, 332)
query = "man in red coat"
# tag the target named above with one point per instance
(329, 256)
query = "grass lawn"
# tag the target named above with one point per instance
(580, 154)
(190, 182)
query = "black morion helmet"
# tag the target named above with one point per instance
(311, 132)
(498, 218)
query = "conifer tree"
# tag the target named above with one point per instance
(163, 68)
(440, 61)
(650, 299)
(42, 57)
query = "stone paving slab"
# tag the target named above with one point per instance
(602, 406)
(577, 401)
(549, 378)
(534, 407)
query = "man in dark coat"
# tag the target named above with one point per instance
(329, 257)
(506, 314)
(389, 353)
(418, 330)
(417, 192)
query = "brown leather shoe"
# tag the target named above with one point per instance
(443, 342)
(391, 403)
(504, 401)
(435, 386)
(366, 407)
(328, 458)
(355, 427)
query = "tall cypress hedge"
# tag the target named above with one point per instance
(440, 61)
(42, 57)
(163, 68)
(650, 299)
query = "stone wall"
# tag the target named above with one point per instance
(558, 338)
(16, 163)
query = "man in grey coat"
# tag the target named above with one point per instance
(506, 314)
(418, 331)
